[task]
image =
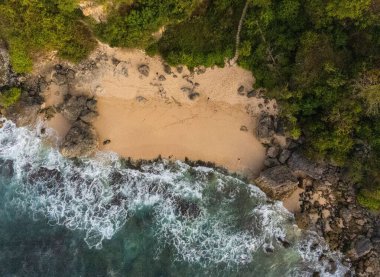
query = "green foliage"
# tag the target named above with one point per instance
(321, 61)
(132, 24)
(32, 26)
(10, 97)
(370, 199)
(205, 39)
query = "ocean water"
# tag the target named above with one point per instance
(101, 217)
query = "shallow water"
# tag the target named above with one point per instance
(100, 217)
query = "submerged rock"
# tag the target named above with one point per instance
(278, 182)
(80, 141)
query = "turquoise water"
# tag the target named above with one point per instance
(101, 217)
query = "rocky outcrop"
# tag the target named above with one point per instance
(80, 141)
(265, 128)
(79, 107)
(328, 203)
(277, 182)
(304, 167)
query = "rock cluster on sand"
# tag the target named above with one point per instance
(81, 140)
(328, 203)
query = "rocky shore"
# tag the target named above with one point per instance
(328, 203)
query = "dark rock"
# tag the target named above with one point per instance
(141, 98)
(273, 152)
(161, 78)
(70, 74)
(284, 156)
(300, 165)
(362, 247)
(196, 84)
(73, 107)
(115, 61)
(49, 112)
(241, 90)
(92, 105)
(6, 168)
(122, 69)
(144, 70)
(200, 70)
(194, 95)
(265, 128)
(167, 69)
(270, 162)
(243, 128)
(187, 89)
(277, 182)
(59, 78)
(179, 69)
(80, 141)
(88, 116)
(107, 141)
(251, 93)
(284, 242)
(48, 176)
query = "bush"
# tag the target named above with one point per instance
(10, 97)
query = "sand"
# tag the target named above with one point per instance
(147, 116)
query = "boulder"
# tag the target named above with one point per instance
(167, 69)
(88, 116)
(161, 78)
(277, 182)
(122, 69)
(80, 141)
(251, 93)
(301, 166)
(265, 128)
(194, 95)
(243, 128)
(362, 247)
(179, 69)
(241, 90)
(270, 162)
(144, 69)
(92, 105)
(73, 107)
(273, 152)
(284, 156)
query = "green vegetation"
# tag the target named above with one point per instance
(32, 26)
(132, 23)
(319, 59)
(10, 97)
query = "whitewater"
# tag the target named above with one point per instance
(102, 216)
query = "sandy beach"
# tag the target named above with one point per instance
(151, 114)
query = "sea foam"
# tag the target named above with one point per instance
(196, 210)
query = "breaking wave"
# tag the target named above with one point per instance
(207, 217)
